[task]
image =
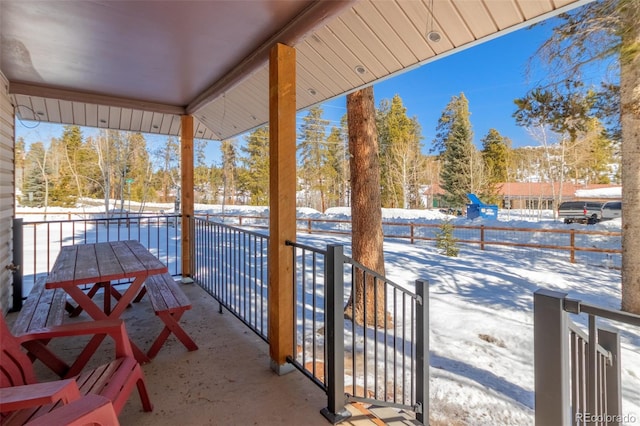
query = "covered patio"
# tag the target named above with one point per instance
(214, 70)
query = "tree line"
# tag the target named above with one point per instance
(120, 166)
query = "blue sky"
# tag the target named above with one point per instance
(491, 75)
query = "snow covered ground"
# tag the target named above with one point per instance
(481, 314)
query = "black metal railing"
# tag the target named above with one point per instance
(384, 362)
(387, 365)
(577, 373)
(231, 264)
(40, 241)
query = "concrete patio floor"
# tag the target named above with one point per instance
(227, 381)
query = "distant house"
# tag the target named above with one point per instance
(536, 195)
(542, 195)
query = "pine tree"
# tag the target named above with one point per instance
(366, 211)
(200, 172)
(168, 173)
(314, 157)
(401, 157)
(255, 178)
(35, 186)
(337, 167)
(495, 150)
(139, 171)
(63, 190)
(229, 171)
(445, 241)
(454, 143)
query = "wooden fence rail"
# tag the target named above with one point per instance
(480, 234)
(568, 240)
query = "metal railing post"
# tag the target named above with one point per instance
(593, 385)
(335, 411)
(610, 340)
(422, 351)
(551, 359)
(18, 264)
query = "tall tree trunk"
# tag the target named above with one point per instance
(630, 121)
(366, 210)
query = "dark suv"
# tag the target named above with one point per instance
(580, 211)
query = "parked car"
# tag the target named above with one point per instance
(611, 210)
(580, 211)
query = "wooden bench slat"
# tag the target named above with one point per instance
(165, 293)
(21, 324)
(43, 308)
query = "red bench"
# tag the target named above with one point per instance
(24, 399)
(42, 308)
(169, 303)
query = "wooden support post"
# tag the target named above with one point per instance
(282, 202)
(186, 191)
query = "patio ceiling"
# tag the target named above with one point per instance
(139, 65)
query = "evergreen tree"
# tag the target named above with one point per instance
(254, 179)
(63, 190)
(73, 152)
(229, 171)
(202, 190)
(495, 150)
(337, 167)
(139, 169)
(367, 299)
(445, 241)
(390, 188)
(168, 174)
(35, 186)
(401, 158)
(590, 157)
(314, 158)
(454, 143)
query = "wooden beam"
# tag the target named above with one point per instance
(16, 88)
(186, 190)
(282, 201)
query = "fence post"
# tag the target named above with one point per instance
(551, 359)
(610, 340)
(412, 233)
(572, 243)
(481, 237)
(18, 264)
(335, 411)
(422, 351)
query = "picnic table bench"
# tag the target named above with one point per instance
(43, 308)
(169, 303)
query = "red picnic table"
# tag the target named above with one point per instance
(100, 264)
